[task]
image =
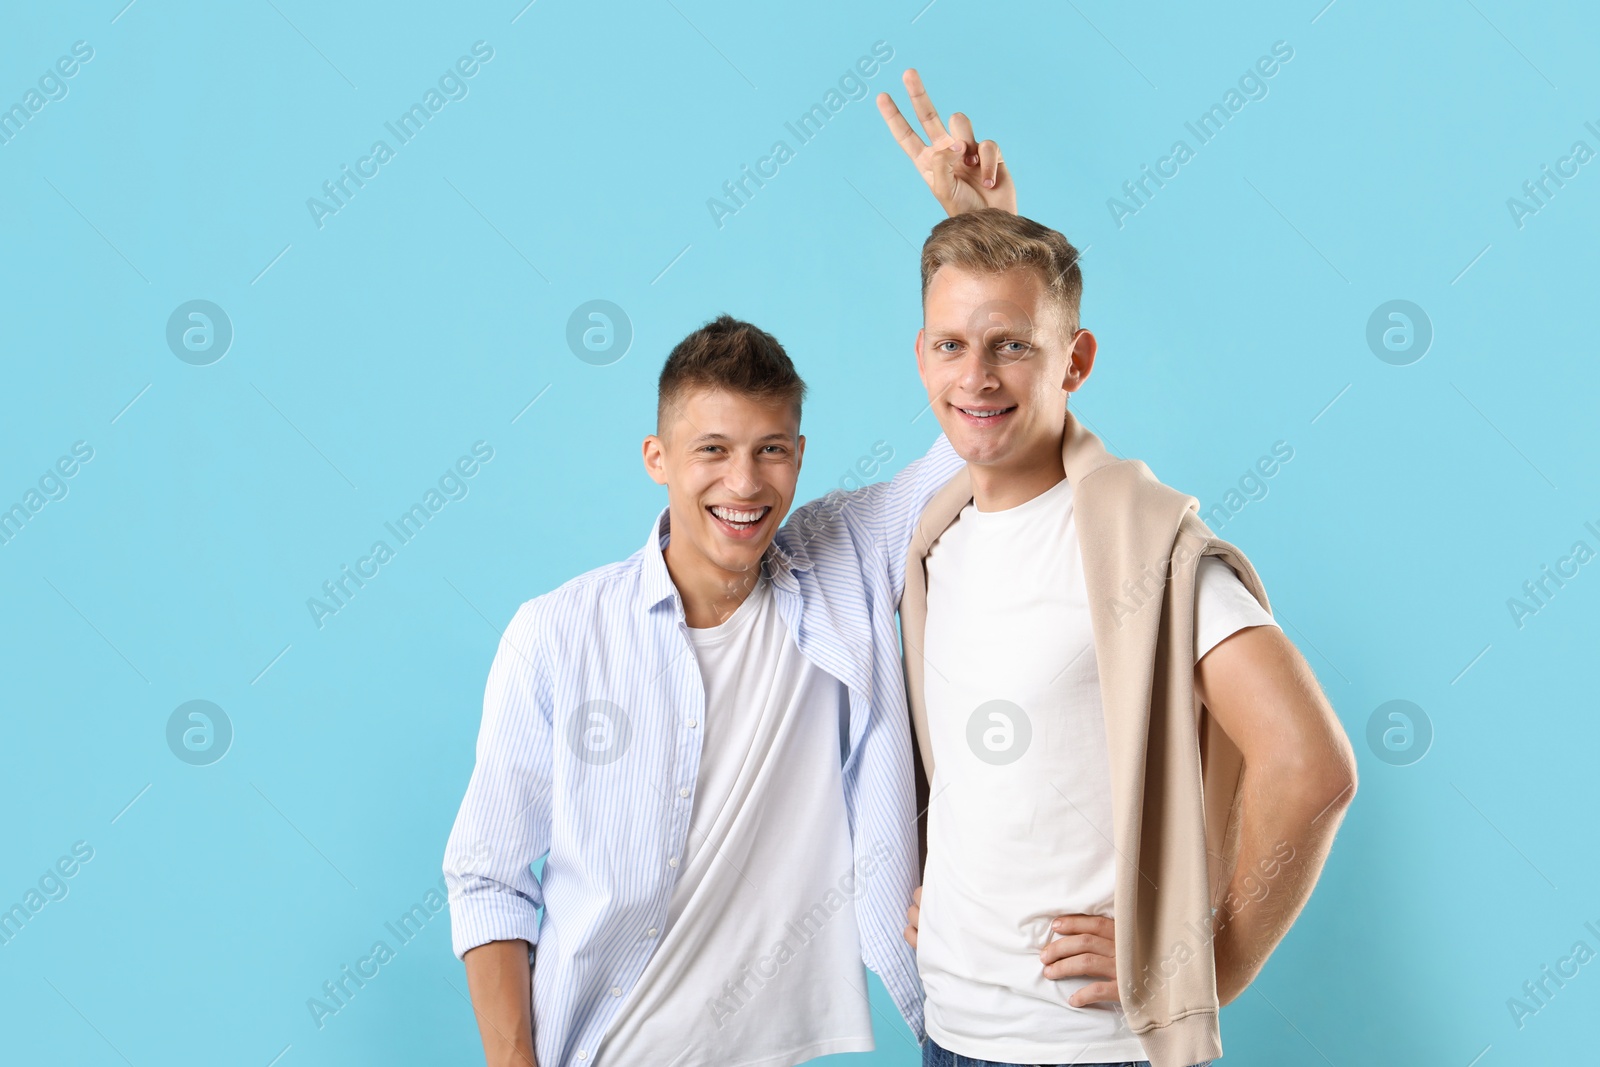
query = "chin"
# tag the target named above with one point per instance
(977, 449)
(739, 557)
(746, 568)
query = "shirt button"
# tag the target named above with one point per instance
(673, 862)
(651, 932)
(693, 723)
(616, 991)
(683, 792)
(582, 1055)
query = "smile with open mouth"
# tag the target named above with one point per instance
(984, 415)
(739, 522)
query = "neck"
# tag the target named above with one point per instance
(997, 487)
(710, 594)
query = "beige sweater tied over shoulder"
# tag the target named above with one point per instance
(1174, 789)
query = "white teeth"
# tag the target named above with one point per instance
(738, 517)
(989, 414)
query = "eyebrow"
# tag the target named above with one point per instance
(954, 331)
(706, 438)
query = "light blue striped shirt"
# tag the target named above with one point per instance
(586, 724)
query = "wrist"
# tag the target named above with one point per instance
(520, 1057)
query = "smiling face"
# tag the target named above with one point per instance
(730, 463)
(998, 363)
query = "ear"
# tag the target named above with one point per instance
(1080, 360)
(799, 452)
(921, 370)
(654, 459)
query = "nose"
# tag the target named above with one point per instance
(974, 374)
(741, 478)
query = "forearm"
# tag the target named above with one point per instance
(500, 982)
(1288, 822)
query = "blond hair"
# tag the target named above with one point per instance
(992, 241)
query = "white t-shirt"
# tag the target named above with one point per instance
(1019, 827)
(760, 961)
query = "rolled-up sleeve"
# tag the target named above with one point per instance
(503, 825)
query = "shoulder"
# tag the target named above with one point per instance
(1196, 542)
(830, 521)
(583, 600)
(1131, 487)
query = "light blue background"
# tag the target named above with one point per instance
(428, 313)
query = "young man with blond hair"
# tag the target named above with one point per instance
(1133, 778)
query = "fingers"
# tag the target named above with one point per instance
(1098, 925)
(927, 114)
(1080, 945)
(901, 130)
(1002, 178)
(913, 917)
(989, 164)
(1083, 965)
(957, 152)
(961, 126)
(1093, 993)
(1087, 947)
(962, 174)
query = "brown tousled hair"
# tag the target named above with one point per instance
(728, 353)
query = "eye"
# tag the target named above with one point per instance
(776, 449)
(946, 346)
(1014, 347)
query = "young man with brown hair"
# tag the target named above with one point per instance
(1134, 776)
(708, 742)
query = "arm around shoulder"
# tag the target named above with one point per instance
(881, 517)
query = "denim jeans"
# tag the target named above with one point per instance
(933, 1055)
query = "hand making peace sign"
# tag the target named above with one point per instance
(965, 175)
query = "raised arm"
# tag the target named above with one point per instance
(963, 173)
